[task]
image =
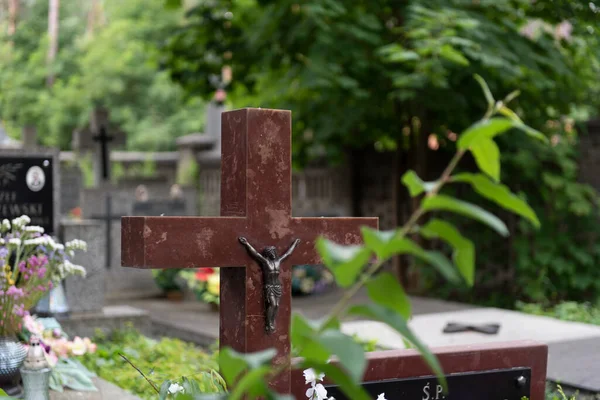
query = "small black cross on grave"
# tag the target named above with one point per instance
(488, 329)
(108, 218)
(103, 138)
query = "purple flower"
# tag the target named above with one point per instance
(22, 266)
(43, 260)
(3, 252)
(19, 310)
(41, 272)
(14, 292)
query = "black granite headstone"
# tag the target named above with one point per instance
(27, 188)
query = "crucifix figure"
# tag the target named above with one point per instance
(270, 264)
(256, 203)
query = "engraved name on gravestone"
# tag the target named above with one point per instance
(503, 384)
(27, 188)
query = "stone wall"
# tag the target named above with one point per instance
(315, 192)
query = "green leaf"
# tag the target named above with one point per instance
(415, 185)
(252, 383)
(453, 55)
(485, 129)
(395, 321)
(335, 374)
(230, 365)
(385, 290)
(499, 194)
(464, 250)
(487, 157)
(345, 262)
(388, 243)
(257, 359)
(164, 390)
(349, 353)
(443, 265)
(445, 203)
(303, 338)
(486, 90)
(383, 243)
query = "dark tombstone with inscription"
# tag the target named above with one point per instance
(494, 371)
(27, 188)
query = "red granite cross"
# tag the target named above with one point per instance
(256, 203)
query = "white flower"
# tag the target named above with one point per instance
(34, 228)
(175, 388)
(311, 376)
(5, 225)
(317, 392)
(76, 244)
(381, 397)
(14, 241)
(42, 240)
(20, 221)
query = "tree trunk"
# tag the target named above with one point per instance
(356, 198)
(399, 264)
(53, 38)
(13, 15)
(93, 17)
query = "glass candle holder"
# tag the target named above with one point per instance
(36, 383)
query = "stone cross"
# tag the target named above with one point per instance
(103, 138)
(256, 203)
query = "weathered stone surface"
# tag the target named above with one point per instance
(256, 203)
(87, 293)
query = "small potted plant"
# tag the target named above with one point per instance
(166, 280)
(205, 283)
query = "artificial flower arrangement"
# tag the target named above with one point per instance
(61, 353)
(205, 283)
(31, 263)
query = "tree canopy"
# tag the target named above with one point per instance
(108, 56)
(356, 73)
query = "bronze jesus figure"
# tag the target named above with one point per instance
(270, 264)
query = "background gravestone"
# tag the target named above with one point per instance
(29, 185)
(87, 294)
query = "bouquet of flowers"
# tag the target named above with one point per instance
(205, 283)
(31, 263)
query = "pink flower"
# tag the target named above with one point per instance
(41, 272)
(22, 266)
(563, 30)
(14, 292)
